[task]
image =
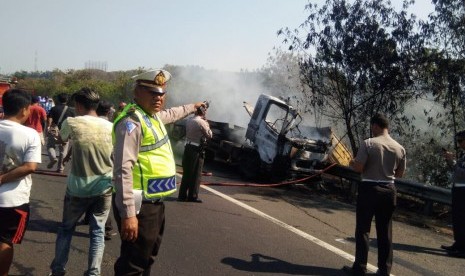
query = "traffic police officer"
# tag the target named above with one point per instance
(144, 171)
(197, 133)
(458, 199)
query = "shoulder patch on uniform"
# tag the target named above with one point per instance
(130, 126)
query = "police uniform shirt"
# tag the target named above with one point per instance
(459, 170)
(126, 150)
(196, 128)
(381, 157)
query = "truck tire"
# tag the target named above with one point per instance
(250, 165)
(209, 155)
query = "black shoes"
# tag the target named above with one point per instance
(56, 274)
(448, 247)
(453, 251)
(347, 269)
(351, 271)
(456, 253)
(196, 200)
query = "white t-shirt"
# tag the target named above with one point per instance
(18, 144)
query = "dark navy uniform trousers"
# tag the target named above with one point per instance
(136, 258)
(378, 200)
(458, 217)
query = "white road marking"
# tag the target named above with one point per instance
(304, 235)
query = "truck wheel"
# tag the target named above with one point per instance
(209, 155)
(249, 167)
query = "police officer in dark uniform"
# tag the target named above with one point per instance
(380, 160)
(197, 133)
(457, 249)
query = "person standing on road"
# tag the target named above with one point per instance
(144, 171)
(457, 249)
(89, 183)
(57, 115)
(37, 118)
(197, 133)
(380, 160)
(20, 151)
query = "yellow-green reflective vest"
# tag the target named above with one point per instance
(155, 169)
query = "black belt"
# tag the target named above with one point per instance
(193, 144)
(382, 183)
(158, 200)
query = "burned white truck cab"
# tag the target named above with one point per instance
(277, 144)
(284, 145)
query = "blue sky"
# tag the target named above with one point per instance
(225, 35)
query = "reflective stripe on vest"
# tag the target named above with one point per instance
(154, 146)
(162, 184)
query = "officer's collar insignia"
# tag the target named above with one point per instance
(130, 126)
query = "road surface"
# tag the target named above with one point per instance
(237, 231)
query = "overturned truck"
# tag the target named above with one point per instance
(275, 145)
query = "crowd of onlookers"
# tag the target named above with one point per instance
(120, 155)
(46, 103)
(45, 113)
(27, 124)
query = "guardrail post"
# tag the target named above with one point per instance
(428, 208)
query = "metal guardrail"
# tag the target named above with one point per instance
(429, 194)
(424, 191)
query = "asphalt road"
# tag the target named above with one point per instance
(237, 231)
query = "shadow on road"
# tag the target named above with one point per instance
(43, 225)
(406, 247)
(262, 263)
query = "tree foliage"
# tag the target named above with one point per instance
(112, 86)
(358, 59)
(445, 33)
(281, 78)
(347, 61)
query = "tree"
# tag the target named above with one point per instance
(445, 31)
(358, 59)
(280, 77)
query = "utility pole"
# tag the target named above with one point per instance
(35, 61)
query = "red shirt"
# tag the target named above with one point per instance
(36, 117)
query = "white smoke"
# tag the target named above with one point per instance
(226, 92)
